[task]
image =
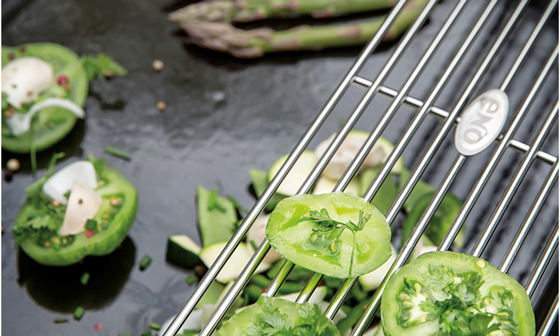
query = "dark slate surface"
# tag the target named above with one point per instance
(223, 117)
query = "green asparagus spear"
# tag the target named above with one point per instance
(253, 10)
(255, 43)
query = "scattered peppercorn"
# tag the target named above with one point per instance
(157, 65)
(107, 73)
(200, 270)
(114, 202)
(161, 106)
(47, 244)
(98, 326)
(55, 203)
(11, 56)
(9, 112)
(13, 164)
(22, 48)
(80, 201)
(62, 80)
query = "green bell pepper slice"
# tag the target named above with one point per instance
(449, 293)
(351, 238)
(111, 225)
(51, 124)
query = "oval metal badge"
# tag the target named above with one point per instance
(481, 122)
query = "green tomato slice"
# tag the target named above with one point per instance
(274, 316)
(449, 293)
(339, 252)
(51, 124)
(114, 222)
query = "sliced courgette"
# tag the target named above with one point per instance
(297, 175)
(183, 251)
(216, 223)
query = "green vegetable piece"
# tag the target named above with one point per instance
(38, 219)
(155, 326)
(78, 313)
(440, 222)
(101, 66)
(183, 251)
(117, 152)
(260, 182)
(190, 332)
(387, 192)
(147, 332)
(297, 175)
(85, 278)
(303, 229)
(215, 225)
(236, 204)
(91, 224)
(449, 293)
(420, 190)
(124, 335)
(271, 316)
(191, 279)
(60, 320)
(145, 262)
(212, 294)
(351, 318)
(50, 125)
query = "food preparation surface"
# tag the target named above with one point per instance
(223, 116)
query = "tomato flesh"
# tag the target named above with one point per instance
(349, 255)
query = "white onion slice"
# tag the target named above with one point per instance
(63, 180)
(20, 123)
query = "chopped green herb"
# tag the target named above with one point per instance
(117, 152)
(78, 313)
(212, 199)
(60, 320)
(91, 224)
(236, 204)
(155, 326)
(190, 332)
(148, 332)
(191, 279)
(101, 66)
(85, 278)
(124, 335)
(145, 262)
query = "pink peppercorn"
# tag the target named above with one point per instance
(98, 326)
(62, 80)
(89, 233)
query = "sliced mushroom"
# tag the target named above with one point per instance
(83, 204)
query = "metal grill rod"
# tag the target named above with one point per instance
(251, 266)
(370, 141)
(514, 184)
(442, 114)
(529, 220)
(290, 161)
(311, 285)
(496, 157)
(550, 319)
(542, 263)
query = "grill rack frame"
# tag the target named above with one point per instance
(505, 141)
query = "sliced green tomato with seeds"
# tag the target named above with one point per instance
(51, 124)
(278, 315)
(102, 242)
(449, 293)
(297, 239)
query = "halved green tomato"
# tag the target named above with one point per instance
(115, 221)
(449, 293)
(51, 124)
(340, 252)
(274, 316)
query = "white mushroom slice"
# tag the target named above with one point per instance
(257, 233)
(372, 280)
(20, 123)
(24, 78)
(192, 322)
(82, 205)
(325, 185)
(63, 180)
(348, 150)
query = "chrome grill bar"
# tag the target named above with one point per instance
(550, 319)
(542, 263)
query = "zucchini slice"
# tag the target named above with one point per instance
(183, 251)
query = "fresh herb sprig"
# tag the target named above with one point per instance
(101, 66)
(332, 229)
